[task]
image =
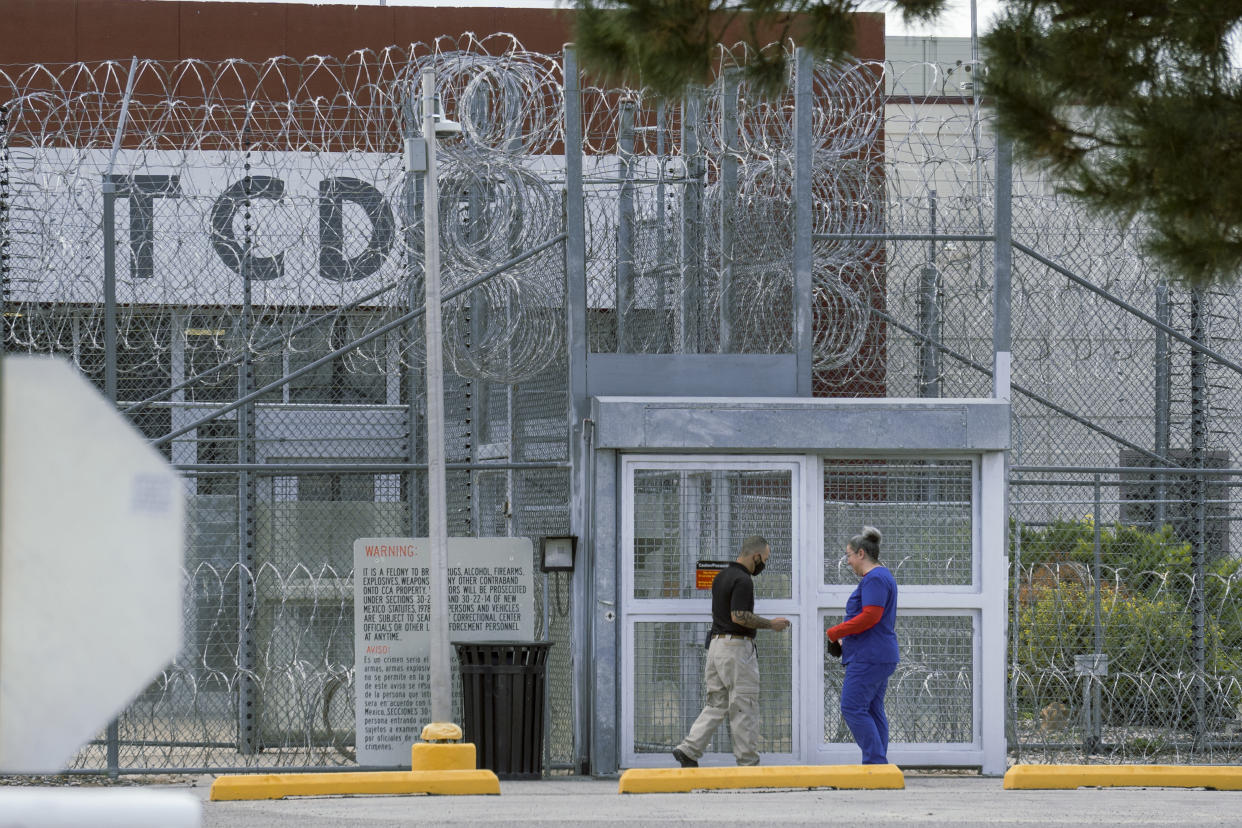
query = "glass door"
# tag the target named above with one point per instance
(926, 509)
(679, 516)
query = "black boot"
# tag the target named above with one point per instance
(686, 761)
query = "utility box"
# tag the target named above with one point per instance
(1140, 490)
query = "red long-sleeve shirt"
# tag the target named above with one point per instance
(865, 620)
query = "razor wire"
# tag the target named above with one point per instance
(300, 163)
(301, 618)
(860, 186)
(693, 201)
(292, 171)
(510, 327)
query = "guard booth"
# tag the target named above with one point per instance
(679, 481)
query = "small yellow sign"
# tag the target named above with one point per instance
(706, 571)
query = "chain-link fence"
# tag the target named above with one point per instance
(264, 330)
(690, 215)
(253, 306)
(1126, 623)
(266, 676)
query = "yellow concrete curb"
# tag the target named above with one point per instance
(1068, 777)
(443, 756)
(682, 780)
(281, 785)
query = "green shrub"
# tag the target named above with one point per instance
(1139, 556)
(1149, 645)
(1052, 543)
(1138, 633)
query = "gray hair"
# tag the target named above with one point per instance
(868, 542)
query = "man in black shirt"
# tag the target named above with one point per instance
(732, 672)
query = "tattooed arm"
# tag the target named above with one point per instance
(757, 622)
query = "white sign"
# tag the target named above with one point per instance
(90, 564)
(322, 228)
(308, 228)
(491, 598)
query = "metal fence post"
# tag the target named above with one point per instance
(109, 287)
(413, 204)
(804, 159)
(109, 230)
(1198, 455)
(579, 404)
(1092, 740)
(728, 203)
(5, 217)
(477, 390)
(437, 509)
(1015, 613)
(929, 312)
(1002, 265)
(691, 225)
(1161, 444)
(661, 344)
(112, 735)
(247, 597)
(625, 228)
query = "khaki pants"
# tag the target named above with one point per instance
(731, 680)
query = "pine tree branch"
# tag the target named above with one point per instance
(648, 43)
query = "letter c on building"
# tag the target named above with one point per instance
(232, 252)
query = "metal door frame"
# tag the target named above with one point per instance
(634, 611)
(983, 600)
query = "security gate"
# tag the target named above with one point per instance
(677, 511)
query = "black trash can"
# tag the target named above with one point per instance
(502, 692)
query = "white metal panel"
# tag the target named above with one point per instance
(91, 571)
(993, 554)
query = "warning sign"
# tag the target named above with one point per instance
(706, 571)
(491, 597)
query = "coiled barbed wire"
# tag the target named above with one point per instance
(314, 124)
(505, 98)
(1148, 696)
(848, 199)
(511, 326)
(326, 119)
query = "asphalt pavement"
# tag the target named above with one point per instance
(932, 799)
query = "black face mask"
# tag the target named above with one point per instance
(759, 565)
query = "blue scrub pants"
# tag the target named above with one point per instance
(862, 707)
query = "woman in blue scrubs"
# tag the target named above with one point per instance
(867, 643)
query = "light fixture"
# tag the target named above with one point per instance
(557, 553)
(416, 147)
(445, 127)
